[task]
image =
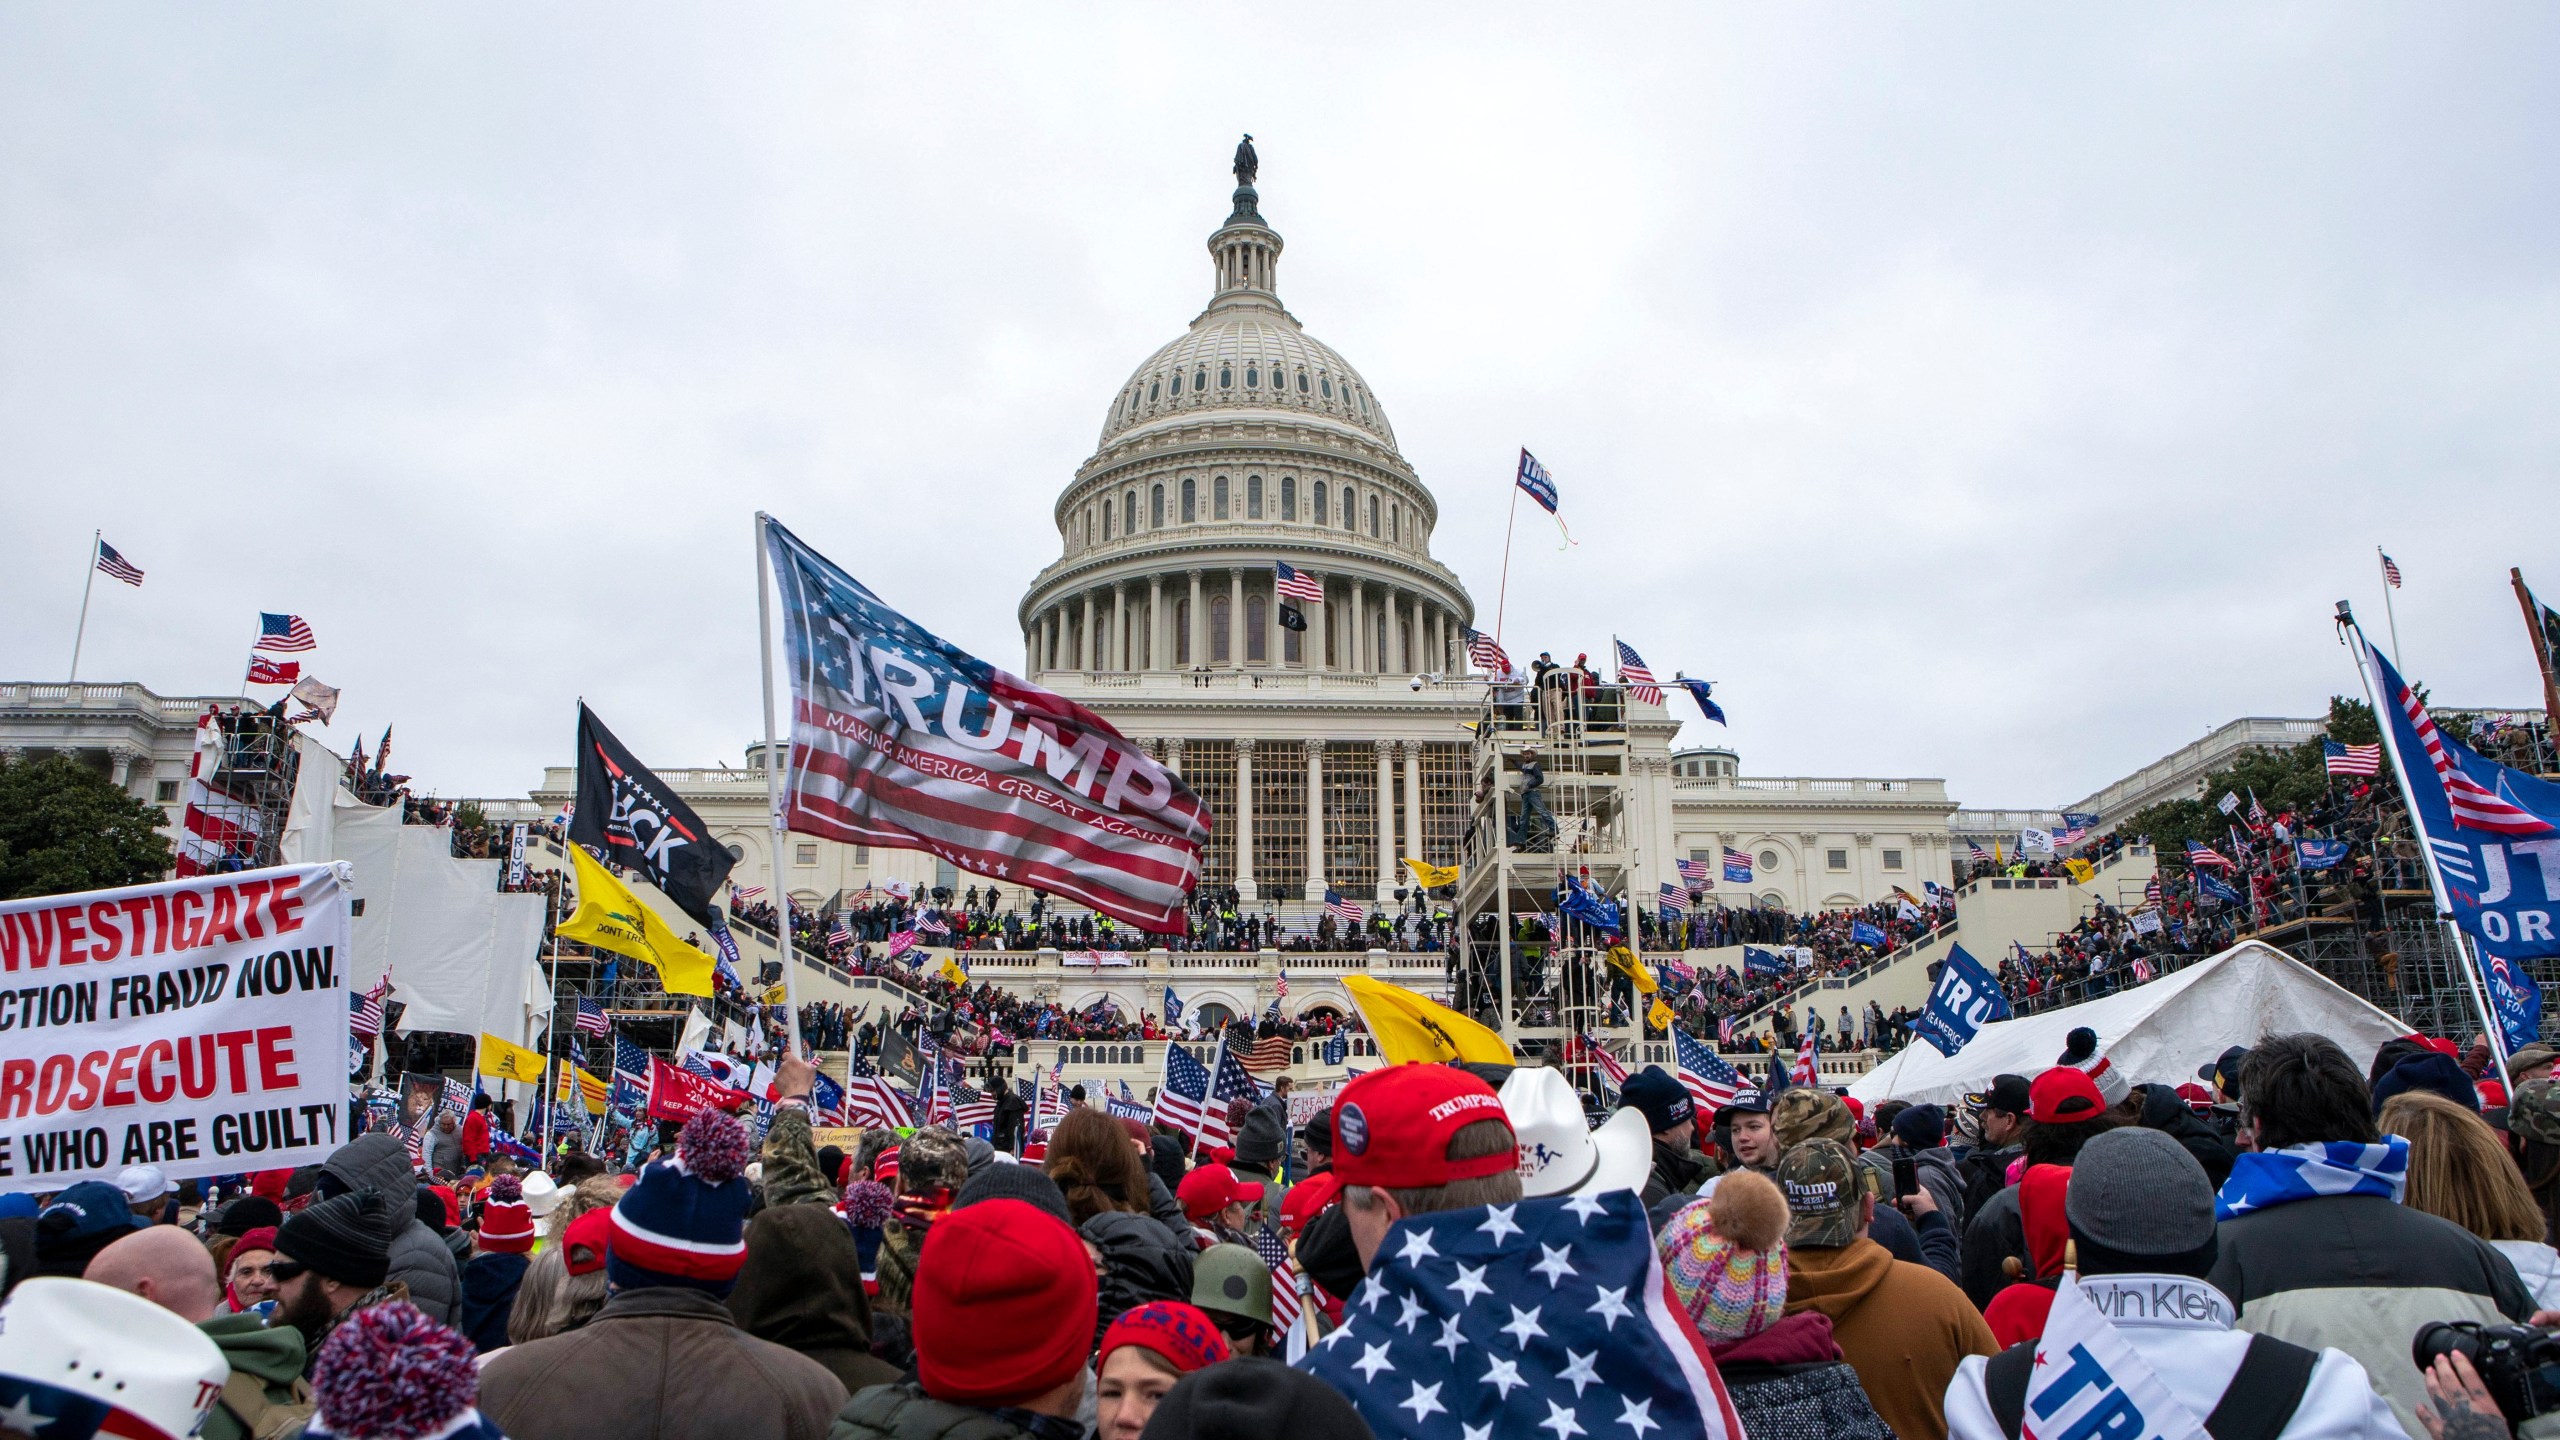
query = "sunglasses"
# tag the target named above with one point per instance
(281, 1271)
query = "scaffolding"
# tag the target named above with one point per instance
(1553, 797)
(242, 788)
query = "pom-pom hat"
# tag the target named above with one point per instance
(684, 1222)
(390, 1373)
(1392, 1127)
(506, 1222)
(1726, 1258)
(80, 1359)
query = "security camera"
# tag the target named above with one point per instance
(1417, 682)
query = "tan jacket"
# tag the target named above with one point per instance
(664, 1363)
(1904, 1328)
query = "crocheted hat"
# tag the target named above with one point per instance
(684, 1222)
(1726, 1258)
(506, 1222)
(390, 1373)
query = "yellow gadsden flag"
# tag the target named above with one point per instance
(1410, 1027)
(950, 970)
(610, 917)
(1661, 1019)
(509, 1061)
(1624, 961)
(2081, 870)
(1430, 876)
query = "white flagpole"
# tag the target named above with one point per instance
(773, 763)
(2382, 563)
(80, 634)
(1502, 597)
(2467, 959)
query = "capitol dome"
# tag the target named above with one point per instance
(1242, 445)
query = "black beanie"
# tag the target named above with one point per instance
(1251, 1398)
(1259, 1141)
(346, 1238)
(1027, 1183)
(249, 1212)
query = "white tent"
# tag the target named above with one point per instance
(2163, 1031)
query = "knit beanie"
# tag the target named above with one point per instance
(347, 1238)
(390, 1373)
(1002, 1306)
(684, 1222)
(1258, 1142)
(2140, 1201)
(1726, 1258)
(506, 1222)
(249, 1212)
(1015, 1182)
(1183, 1334)
(2080, 1052)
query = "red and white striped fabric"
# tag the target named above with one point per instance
(1271, 1052)
(874, 1102)
(2475, 806)
(215, 830)
(1296, 584)
(903, 740)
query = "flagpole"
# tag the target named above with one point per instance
(2381, 562)
(773, 788)
(2466, 959)
(1502, 597)
(551, 1101)
(2542, 656)
(81, 632)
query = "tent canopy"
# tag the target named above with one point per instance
(2160, 1032)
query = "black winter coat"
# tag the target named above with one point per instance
(1142, 1260)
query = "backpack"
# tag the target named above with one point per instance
(2257, 1404)
(244, 1400)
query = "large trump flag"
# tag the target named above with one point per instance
(901, 739)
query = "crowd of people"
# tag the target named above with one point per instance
(2263, 1243)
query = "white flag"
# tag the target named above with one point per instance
(322, 700)
(2032, 841)
(2089, 1380)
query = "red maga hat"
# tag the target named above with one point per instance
(1392, 1127)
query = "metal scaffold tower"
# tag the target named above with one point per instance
(1553, 798)
(244, 786)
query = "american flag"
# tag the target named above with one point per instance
(742, 894)
(1605, 1060)
(630, 1074)
(1481, 1321)
(1231, 1083)
(2151, 890)
(1282, 988)
(591, 1019)
(1976, 851)
(1286, 1303)
(1808, 1068)
(936, 1099)
(2351, 759)
(970, 1106)
(839, 933)
(1271, 1052)
(1346, 911)
(2475, 806)
(1633, 674)
(1694, 872)
(2142, 971)
(263, 671)
(2199, 853)
(364, 1012)
(873, 1101)
(2390, 570)
(1675, 900)
(932, 923)
(1737, 866)
(1105, 826)
(1710, 1081)
(283, 633)
(1724, 1030)
(1484, 652)
(2069, 834)
(118, 566)
(1182, 1095)
(1296, 584)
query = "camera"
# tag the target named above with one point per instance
(2519, 1364)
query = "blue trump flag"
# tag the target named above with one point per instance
(1701, 691)
(1172, 1007)
(1862, 933)
(2494, 832)
(2319, 854)
(1579, 901)
(1967, 997)
(2212, 887)
(1756, 961)
(2516, 998)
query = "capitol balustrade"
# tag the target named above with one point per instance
(1103, 1065)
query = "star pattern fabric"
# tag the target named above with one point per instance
(1540, 1320)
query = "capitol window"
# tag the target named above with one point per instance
(1190, 503)
(1200, 381)
(1252, 494)
(1226, 378)
(1768, 859)
(1288, 497)
(1252, 377)
(1373, 517)
(1155, 507)
(1218, 498)
(1392, 512)
(1302, 382)
(1219, 609)
(1177, 382)
(1106, 519)
(1836, 859)
(1151, 390)
(1325, 383)
(1182, 630)
(1350, 509)
(1129, 513)
(1893, 859)
(1256, 621)
(1317, 515)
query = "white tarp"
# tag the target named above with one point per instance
(460, 954)
(2162, 1031)
(320, 797)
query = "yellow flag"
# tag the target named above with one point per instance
(509, 1061)
(610, 917)
(2081, 870)
(950, 970)
(576, 1084)
(1430, 876)
(1409, 1027)
(1661, 1019)
(1623, 960)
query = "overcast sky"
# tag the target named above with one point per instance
(2001, 393)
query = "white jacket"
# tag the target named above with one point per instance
(2537, 1265)
(2183, 1329)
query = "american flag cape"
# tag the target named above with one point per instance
(1709, 1081)
(901, 739)
(1530, 1321)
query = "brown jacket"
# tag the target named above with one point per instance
(664, 1363)
(1903, 1327)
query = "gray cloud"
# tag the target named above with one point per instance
(2002, 394)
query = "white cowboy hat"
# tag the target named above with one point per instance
(541, 1193)
(1560, 1154)
(68, 1347)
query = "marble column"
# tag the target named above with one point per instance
(1319, 625)
(1155, 623)
(1358, 649)
(1119, 656)
(1084, 632)
(1413, 799)
(1244, 818)
(1315, 818)
(1196, 626)
(1393, 661)
(1387, 866)
(1235, 618)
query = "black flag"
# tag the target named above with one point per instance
(630, 817)
(1290, 619)
(899, 1059)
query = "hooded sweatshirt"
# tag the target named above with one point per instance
(419, 1257)
(1904, 1328)
(801, 1288)
(489, 1285)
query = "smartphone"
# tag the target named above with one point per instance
(1906, 1175)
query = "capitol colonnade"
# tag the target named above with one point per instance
(1196, 619)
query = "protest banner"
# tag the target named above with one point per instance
(195, 1025)
(680, 1094)
(1966, 997)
